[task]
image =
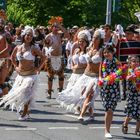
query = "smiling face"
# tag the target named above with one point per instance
(82, 43)
(28, 36)
(108, 54)
(134, 62)
(96, 43)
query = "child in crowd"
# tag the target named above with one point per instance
(132, 108)
(110, 93)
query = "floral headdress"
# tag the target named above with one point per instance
(27, 29)
(55, 20)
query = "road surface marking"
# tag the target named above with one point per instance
(72, 116)
(42, 84)
(20, 129)
(103, 127)
(72, 128)
(133, 126)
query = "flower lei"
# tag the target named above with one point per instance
(115, 76)
(54, 20)
(137, 73)
(135, 77)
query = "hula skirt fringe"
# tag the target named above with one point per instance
(75, 96)
(72, 80)
(22, 92)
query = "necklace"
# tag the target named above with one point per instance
(25, 47)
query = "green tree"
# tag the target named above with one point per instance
(125, 14)
(74, 12)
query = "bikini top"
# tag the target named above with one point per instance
(25, 56)
(94, 59)
(79, 58)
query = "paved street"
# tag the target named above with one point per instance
(50, 122)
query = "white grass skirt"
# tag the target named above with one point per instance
(72, 80)
(22, 92)
(75, 96)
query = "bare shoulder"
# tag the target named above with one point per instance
(18, 47)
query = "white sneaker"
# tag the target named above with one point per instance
(108, 136)
(80, 119)
(76, 112)
(22, 118)
(28, 116)
(90, 118)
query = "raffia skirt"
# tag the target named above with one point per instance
(72, 80)
(22, 92)
(76, 95)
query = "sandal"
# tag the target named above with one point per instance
(124, 129)
(60, 89)
(49, 94)
(137, 132)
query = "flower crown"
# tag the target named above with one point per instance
(55, 20)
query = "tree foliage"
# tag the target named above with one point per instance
(74, 12)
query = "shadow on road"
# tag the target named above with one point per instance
(124, 138)
(52, 121)
(45, 112)
(11, 125)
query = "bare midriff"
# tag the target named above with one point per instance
(92, 69)
(27, 66)
(78, 70)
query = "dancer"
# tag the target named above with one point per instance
(5, 62)
(110, 94)
(92, 73)
(78, 58)
(78, 65)
(54, 64)
(22, 94)
(132, 107)
(75, 96)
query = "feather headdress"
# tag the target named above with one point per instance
(55, 20)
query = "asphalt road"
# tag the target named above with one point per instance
(51, 122)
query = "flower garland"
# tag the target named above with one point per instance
(137, 78)
(137, 73)
(115, 76)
